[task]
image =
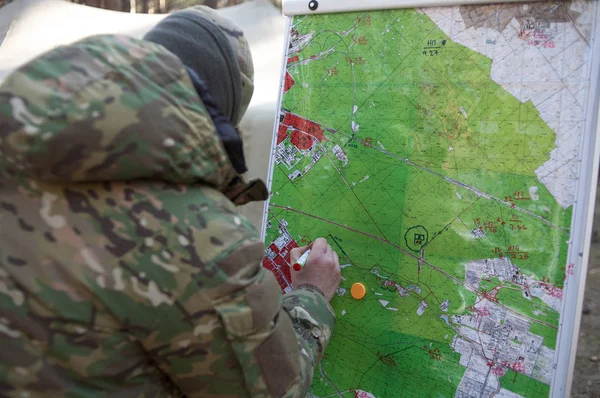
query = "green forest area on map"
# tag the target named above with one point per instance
(416, 166)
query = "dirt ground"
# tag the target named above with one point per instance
(586, 381)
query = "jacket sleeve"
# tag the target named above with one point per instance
(278, 354)
(313, 320)
(231, 332)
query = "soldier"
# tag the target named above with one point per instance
(125, 268)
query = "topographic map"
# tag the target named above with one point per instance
(438, 150)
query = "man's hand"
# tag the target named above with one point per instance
(322, 268)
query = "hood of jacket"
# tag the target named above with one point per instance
(108, 108)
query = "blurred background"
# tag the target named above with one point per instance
(152, 6)
(28, 27)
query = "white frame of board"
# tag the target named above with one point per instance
(580, 241)
(302, 7)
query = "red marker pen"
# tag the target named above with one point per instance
(301, 261)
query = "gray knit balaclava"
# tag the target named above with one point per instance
(214, 48)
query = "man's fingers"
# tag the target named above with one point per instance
(329, 252)
(297, 252)
(336, 259)
(319, 245)
(322, 268)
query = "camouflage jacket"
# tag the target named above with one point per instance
(124, 269)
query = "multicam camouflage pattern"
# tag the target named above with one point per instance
(124, 269)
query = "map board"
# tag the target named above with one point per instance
(449, 156)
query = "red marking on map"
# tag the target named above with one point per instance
(434, 354)
(489, 226)
(301, 140)
(288, 83)
(556, 292)
(278, 269)
(543, 44)
(363, 394)
(304, 131)
(365, 20)
(491, 295)
(386, 359)
(305, 125)
(552, 290)
(277, 259)
(483, 311)
(497, 370)
(367, 141)
(281, 134)
(293, 59)
(518, 367)
(520, 195)
(537, 38)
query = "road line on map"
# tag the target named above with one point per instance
(346, 227)
(356, 196)
(451, 222)
(478, 292)
(476, 191)
(413, 256)
(328, 381)
(468, 187)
